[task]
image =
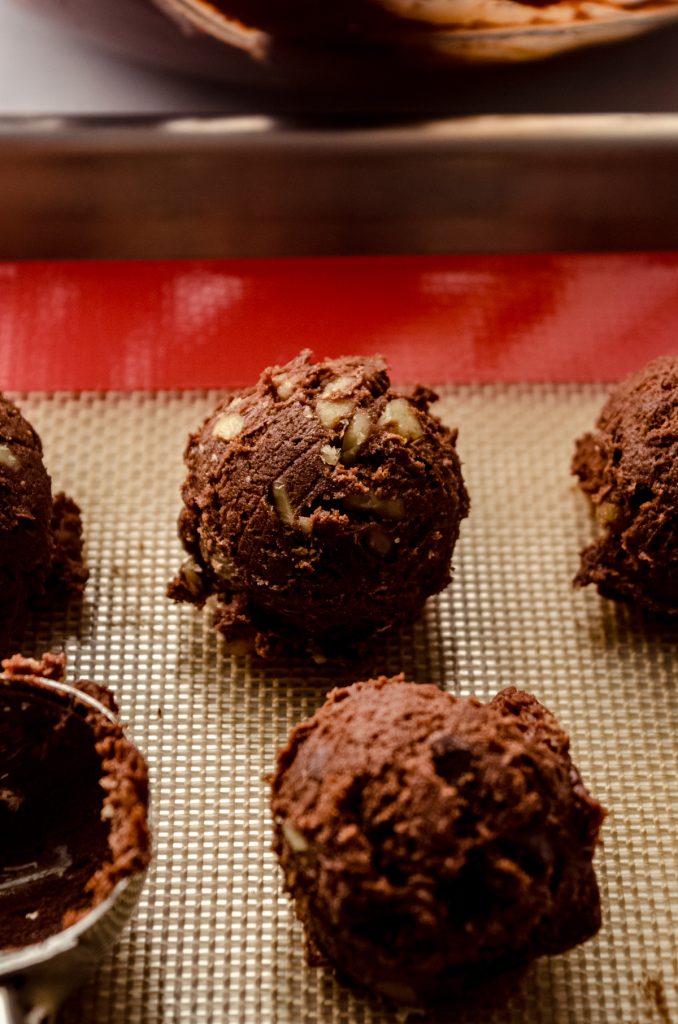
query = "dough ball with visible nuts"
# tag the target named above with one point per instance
(628, 467)
(320, 507)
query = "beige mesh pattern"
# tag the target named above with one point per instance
(214, 938)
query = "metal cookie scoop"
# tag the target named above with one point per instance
(35, 980)
(64, 893)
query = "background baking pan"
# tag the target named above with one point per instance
(260, 186)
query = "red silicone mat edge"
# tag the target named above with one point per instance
(217, 323)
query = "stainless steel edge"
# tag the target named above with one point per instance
(261, 186)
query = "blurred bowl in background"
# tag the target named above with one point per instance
(373, 55)
(429, 32)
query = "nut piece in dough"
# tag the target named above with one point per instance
(228, 425)
(7, 457)
(331, 411)
(357, 432)
(400, 417)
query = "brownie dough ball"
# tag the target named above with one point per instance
(40, 536)
(430, 841)
(73, 800)
(320, 507)
(628, 467)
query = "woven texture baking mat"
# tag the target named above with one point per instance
(214, 938)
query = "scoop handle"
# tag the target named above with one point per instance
(10, 1011)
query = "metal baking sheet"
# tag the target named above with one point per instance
(214, 938)
(258, 185)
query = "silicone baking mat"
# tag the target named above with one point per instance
(214, 938)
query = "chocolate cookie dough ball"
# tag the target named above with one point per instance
(432, 842)
(628, 467)
(73, 800)
(40, 536)
(320, 507)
